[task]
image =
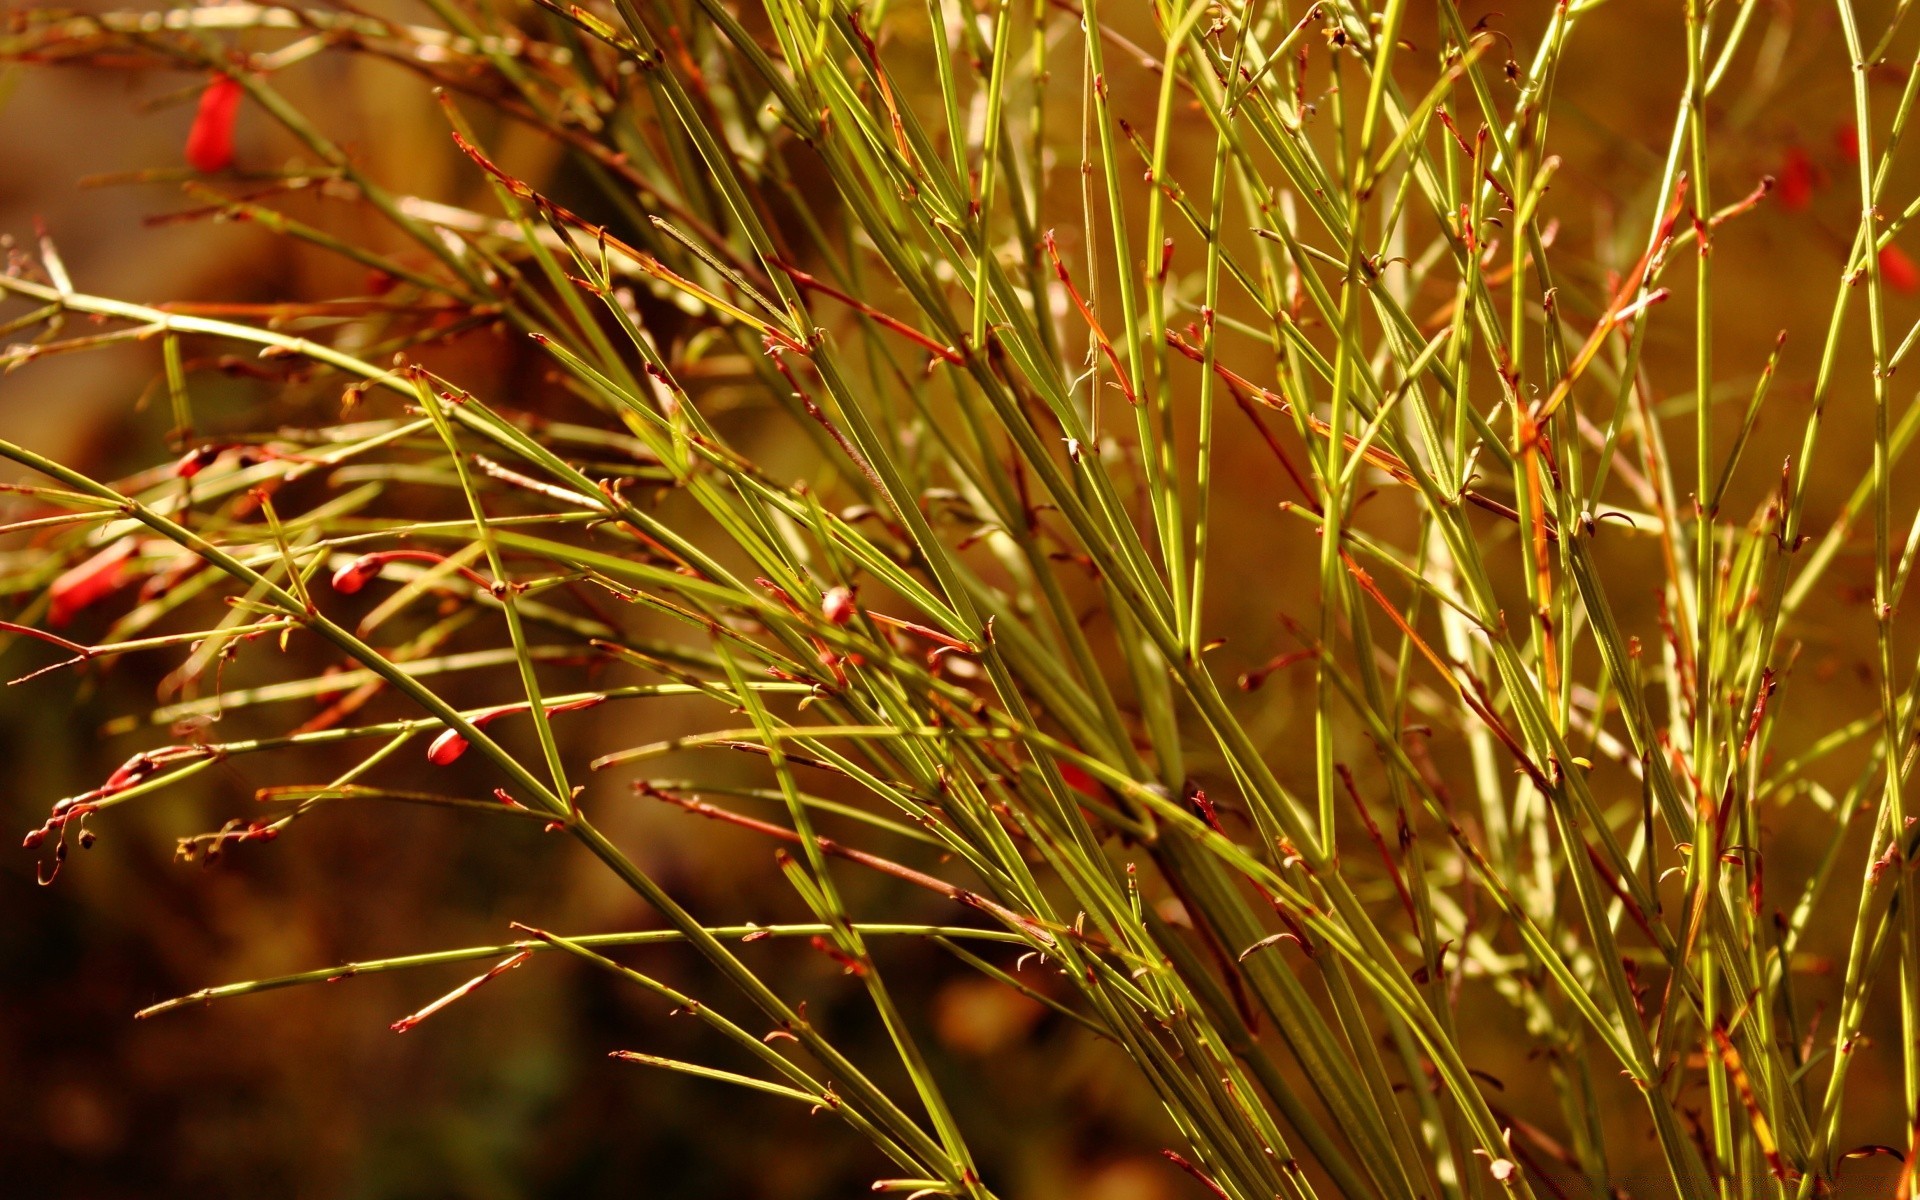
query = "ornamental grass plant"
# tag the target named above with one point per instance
(1254, 507)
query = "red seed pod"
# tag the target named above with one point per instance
(91, 581)
(354, 576)
(449, 746)
(210, 141)
(837, 606)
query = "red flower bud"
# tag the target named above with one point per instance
(195, 461)
(446, 748)
(1076, 777)
(1898, 270)
(129, 773)
(91, 581)
(837, 606)
(210, 141)
(1798, 179)
(354, 576)
(451, 744)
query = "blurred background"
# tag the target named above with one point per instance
(305, 1093)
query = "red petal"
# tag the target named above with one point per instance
(89, 582)
(210, 141)
(1846, 139)
(1898, 270)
